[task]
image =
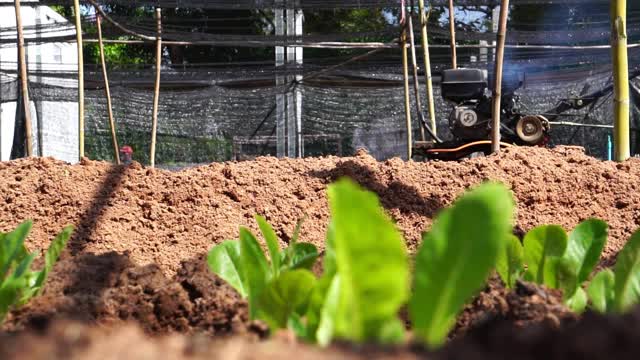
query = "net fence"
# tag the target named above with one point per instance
(217, 111)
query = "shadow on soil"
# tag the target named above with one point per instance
(89, 220)
(394, 195)
(109, 288)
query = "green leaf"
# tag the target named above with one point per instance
(18, 283)
(372, 261)
(224, 260)
(12, 248)
(255, 268)
(272, 243)
(52, 255)
(456, 257)
(10, 293)
(392, 332)
(302, 256)
(601, 291)
(542, 246)
(510, 263)
(284, 296)
(14, 290)
(578, 302)
(564, 276)
(330, 266)
(296, 324)
(329, 312)
(627, 275)
(296, 232)
(586, 243)
(320, 296)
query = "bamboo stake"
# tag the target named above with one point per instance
(107, 91)
(621, 79)
(424, 19)
(24, 79)
(497, 90)
(156, 95)
(76, 10)
(452, 29)
(407, 101)
(414, 63)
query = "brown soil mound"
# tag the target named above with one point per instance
(526, 305)
(592, 338)
(164, 218)
(73, 341)
(109, 290)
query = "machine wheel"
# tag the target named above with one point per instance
(531, 129)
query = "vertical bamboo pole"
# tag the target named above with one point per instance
(22, 59)
(497, 90)
(78, 16)
(452, 29)
(414, 63)
(156, 95)
(621, 79)
(424, 19)
(407, 101)
(107, 91)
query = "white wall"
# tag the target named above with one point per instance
(59, 119)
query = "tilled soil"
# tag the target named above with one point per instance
(594, 337)
(141, 235)
(164, 218)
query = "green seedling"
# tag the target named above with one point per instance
(277, 289)
(18, 282)
(601, 291)
(557, 260)
(543, 249)
(585, 245)
(456, 257)
(510, 263)
(619, 290)
(366, 268)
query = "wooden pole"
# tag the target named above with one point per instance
(452, 29)
(407, 101)
(107, 91)
(497, 89)
(156, 95)
(414, 63)
(621, 79)
(24, 80)
(78, 17)
(424, 19)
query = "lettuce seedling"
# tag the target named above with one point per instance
(456, 257)
(510, 263)
(586, 242)
(618, 290)
(544, 246)
(367, 271)
(601, 291)
(627, 275)
(277, 289)
(565, 262)
(585, 245)
(18, 282)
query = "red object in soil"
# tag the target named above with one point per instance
(126, 154)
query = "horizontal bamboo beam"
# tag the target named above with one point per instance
(323, 45)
